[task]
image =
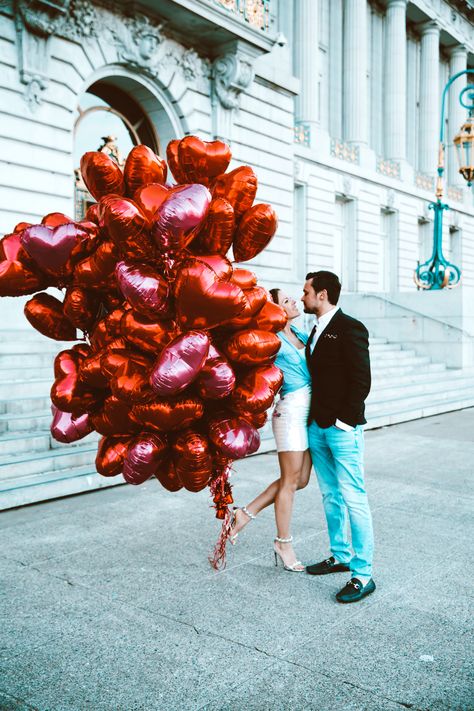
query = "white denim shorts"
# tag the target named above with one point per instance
(290, 420)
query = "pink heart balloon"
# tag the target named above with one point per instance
(145, 289)
(67, 428)
(51, 248)
(179, 363)
(216, 379)
(184, 210)
(144, 456)
(234, 437)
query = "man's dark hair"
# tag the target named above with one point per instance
(326, 280)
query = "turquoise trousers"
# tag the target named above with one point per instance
(338, 459)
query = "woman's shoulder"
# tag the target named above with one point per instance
(302, 335)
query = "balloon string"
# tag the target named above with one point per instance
(218, 557)
(221, 491)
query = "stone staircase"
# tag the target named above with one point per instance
(34, 467)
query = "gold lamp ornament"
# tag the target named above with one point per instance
(464, 142)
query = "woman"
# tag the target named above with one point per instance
(289, 424)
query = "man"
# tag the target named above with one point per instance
(337, 353)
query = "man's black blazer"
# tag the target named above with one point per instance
(340, 372)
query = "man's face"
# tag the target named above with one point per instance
(310, 298)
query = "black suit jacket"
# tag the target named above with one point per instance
(340, 372)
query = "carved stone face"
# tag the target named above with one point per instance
(147, 46)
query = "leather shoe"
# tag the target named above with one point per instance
(354, 590)
(327, 566)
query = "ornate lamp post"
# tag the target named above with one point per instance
(437, 272)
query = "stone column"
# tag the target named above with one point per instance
(456, 114)
(354, 97)
(306, 63)
(395, 81)
(429, 98)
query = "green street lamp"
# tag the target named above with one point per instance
(437, 272)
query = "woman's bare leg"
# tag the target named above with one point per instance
(292, 468)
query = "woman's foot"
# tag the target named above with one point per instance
(241, 517)
(283, 547)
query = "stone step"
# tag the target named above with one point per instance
(21, 372)
(382, 371)
(400, 358)
(415, 413)
(16, 467)
(385, 347)
(37, 441)
(21, 405)
(21, 388)
(461, 392)
(379, 376)
(423, 385)
(26, 422)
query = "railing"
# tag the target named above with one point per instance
(255, 12)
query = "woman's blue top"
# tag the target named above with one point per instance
(292, 361)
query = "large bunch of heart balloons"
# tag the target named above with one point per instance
(174, 367)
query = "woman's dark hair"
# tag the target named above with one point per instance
(274, 294)
(326, 280)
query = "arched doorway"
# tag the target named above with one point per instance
(114, 113)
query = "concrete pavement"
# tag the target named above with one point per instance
(107, 601)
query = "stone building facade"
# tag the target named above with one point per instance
(334, 103)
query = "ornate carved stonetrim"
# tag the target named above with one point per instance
(345, 151)
(425, 182)
(388, 167)
(231, 75)
(302, 134)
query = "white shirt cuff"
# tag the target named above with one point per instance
(343, 426)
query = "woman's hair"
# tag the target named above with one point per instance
(274, 294)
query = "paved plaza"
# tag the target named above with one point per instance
(108, 602)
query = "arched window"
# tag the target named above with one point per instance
(109, 120)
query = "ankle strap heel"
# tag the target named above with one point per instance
(277, 539)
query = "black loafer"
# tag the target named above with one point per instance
(354, 590)
(327, 566)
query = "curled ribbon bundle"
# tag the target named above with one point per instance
(175, 367)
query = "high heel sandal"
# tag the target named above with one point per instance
(292, 568)
(233, 538)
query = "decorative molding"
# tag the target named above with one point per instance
(302, 134)
(424, 182)
(255, 12)
(231, 75)
(455, 194)
(345, 151)
(388, 167)
(302, 171)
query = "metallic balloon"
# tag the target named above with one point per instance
(114, 418)
(255, 230)
(145, 289)
(170, 414)
(17, 275)
(97, 270)
(150, 197)
(244, 278)
(252, 347)
(149, 336)
(193, 459)
(127, 226)
(217, 231)
(143, 167)
(173, 161)
(45, 313)
(234, 437)
(67, 393)
(252, 394)
(179, 363)
(184, 210)
(238, 187)
(65, 427)
(51, 248)
(144, 456)
(216, 379)
(81, 307)
(202, 160)
(203, 300)
(111, 454)
(53, 219)
(101, 175)
(270, 317)
(166, 475)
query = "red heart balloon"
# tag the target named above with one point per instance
(131, 382)
(202, 160)
(67, 392)
(53, 219)
(255, 299)
(97, 270)
(166, 475)
(143, 167)
(67, 428)
(252, 394)
(244, 278)
(101, 175)
(272, 375)
(255, 230)
(144, 456)
(91, 374)
(238, 187)
(173, 161)
(149, 336)
(81, 307)
(111, 455)
(170, 414)
(127, 227)
(270, 317)
(217, 231)
(203, 300)
(45, 313)
(179, 363)
(183, 211)
(216, 379)
(193, 460)
(252, 347)
(18, 280)
(114, 418)
(150, 197)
